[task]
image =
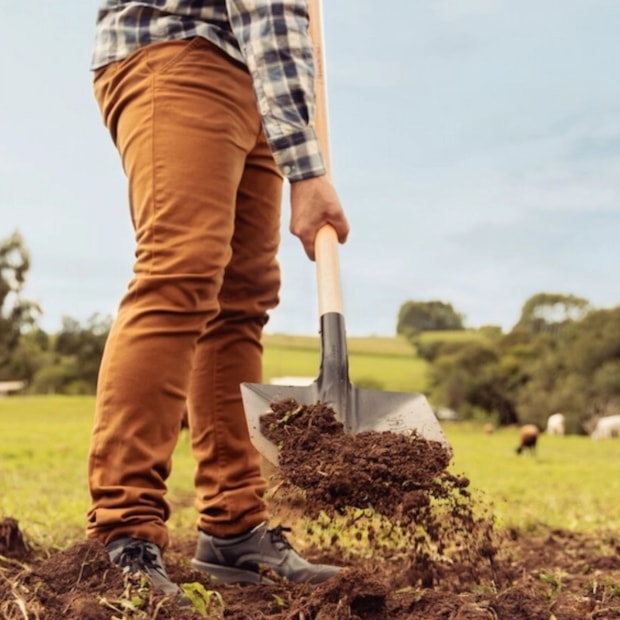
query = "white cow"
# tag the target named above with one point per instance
(607, 427)
(555, 424)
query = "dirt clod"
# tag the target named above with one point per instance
(12, 543)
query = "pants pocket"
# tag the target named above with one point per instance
(165, 56)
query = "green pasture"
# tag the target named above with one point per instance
(376, 345)
(572, 482)
(464, 335)
(381, 363)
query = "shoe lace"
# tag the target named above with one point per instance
(278, 536)
(136, 556)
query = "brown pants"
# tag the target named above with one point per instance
(205, 198)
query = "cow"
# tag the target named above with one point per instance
(606, 427)
(528, 436)
(555, 424)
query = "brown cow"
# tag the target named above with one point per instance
(528, 438)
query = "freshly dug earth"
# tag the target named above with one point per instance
(415, 542)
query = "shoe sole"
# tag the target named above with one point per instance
(227, 574)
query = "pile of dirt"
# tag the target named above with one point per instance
(414, 541)
(384, 481)
(560, 576)
(396, 474)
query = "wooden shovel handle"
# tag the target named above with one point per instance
(326, 242)
(320, 81)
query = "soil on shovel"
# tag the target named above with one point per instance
(414, 540)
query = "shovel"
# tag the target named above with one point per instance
(357, 409)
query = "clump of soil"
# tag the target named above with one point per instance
(12, 543)
(396, 474)
(401, 480)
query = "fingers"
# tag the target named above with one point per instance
(309, 248)
(314, 204)
(341, 226)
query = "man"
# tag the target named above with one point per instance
(209, 104)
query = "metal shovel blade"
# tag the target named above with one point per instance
(358, 409)
(373, 410)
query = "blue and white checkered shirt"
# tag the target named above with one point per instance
(271, 38)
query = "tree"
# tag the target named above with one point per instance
(562, 355)
(474, 377)
(547, 312)
(83, 344)
(16, 313)
(575, 371)
(421, 316)
(30, 356)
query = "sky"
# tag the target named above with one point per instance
(475, 147)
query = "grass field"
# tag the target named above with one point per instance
(571, 483)
(389, 363)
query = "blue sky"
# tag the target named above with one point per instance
(475, 146)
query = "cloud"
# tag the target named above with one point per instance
(559, 188)
(571, 168)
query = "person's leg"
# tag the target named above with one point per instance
(229, 484)
(182, 120)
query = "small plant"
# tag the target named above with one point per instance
(206, 602)
(280, 602)
(554, 579)
(291, 414)
(133, 600)
(125, 607)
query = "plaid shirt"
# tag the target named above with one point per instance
(270, 37)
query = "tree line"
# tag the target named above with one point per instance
(562, 355)
(66, 362)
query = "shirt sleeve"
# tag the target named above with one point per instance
(275, 42)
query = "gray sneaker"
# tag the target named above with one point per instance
(135, 555)
(249, 558)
